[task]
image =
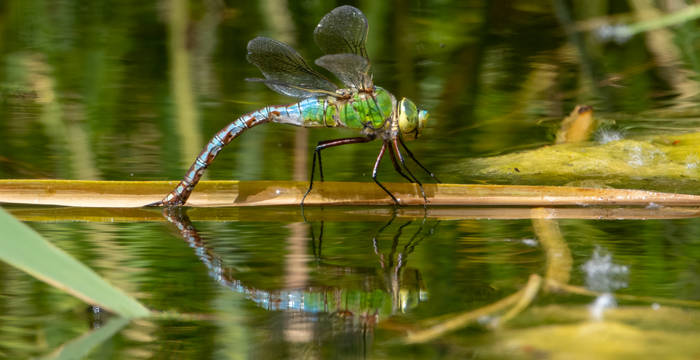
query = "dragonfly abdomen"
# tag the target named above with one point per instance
(183, 190)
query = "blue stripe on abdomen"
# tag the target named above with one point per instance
(183, 190)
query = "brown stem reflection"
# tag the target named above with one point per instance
(559, 263)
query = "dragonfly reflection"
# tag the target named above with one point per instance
(400, 287)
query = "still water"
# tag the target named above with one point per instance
(354, 285)
(127, 90)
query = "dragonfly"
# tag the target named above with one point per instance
(373, 111)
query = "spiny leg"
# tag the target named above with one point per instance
(397, 167)
(410, 154)
(376, 167)
(317, 154)
(320, 166)
(395, 148)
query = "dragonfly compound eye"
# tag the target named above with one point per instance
(408, 117)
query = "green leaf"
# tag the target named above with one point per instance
(80, 347)
(25, 249)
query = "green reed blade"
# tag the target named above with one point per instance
(25, 249)
(80, 347)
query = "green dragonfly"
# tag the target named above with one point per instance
(360, 105)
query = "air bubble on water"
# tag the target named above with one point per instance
(602, 274)
(608, 135)
(636, 157)
(639, 156)
(600, 304)
(529, 242)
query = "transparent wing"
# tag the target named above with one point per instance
(343, 33)
(351, 69)
(285, 70)
(343, 30)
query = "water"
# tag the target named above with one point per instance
(124, 90)
(272, 289)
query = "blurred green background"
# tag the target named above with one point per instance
(131, 90)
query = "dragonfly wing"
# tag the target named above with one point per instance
(344, 31)
(285, 71)
(351, 69)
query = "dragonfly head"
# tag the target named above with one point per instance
(411, 120)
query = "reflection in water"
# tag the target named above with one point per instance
(396, 288)
(604, 276)
(393, 266)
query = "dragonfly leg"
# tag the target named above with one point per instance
(320, 166)
(317, 155)
(397, 167)
(410, 154)
(395, 148)
(374, 172)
